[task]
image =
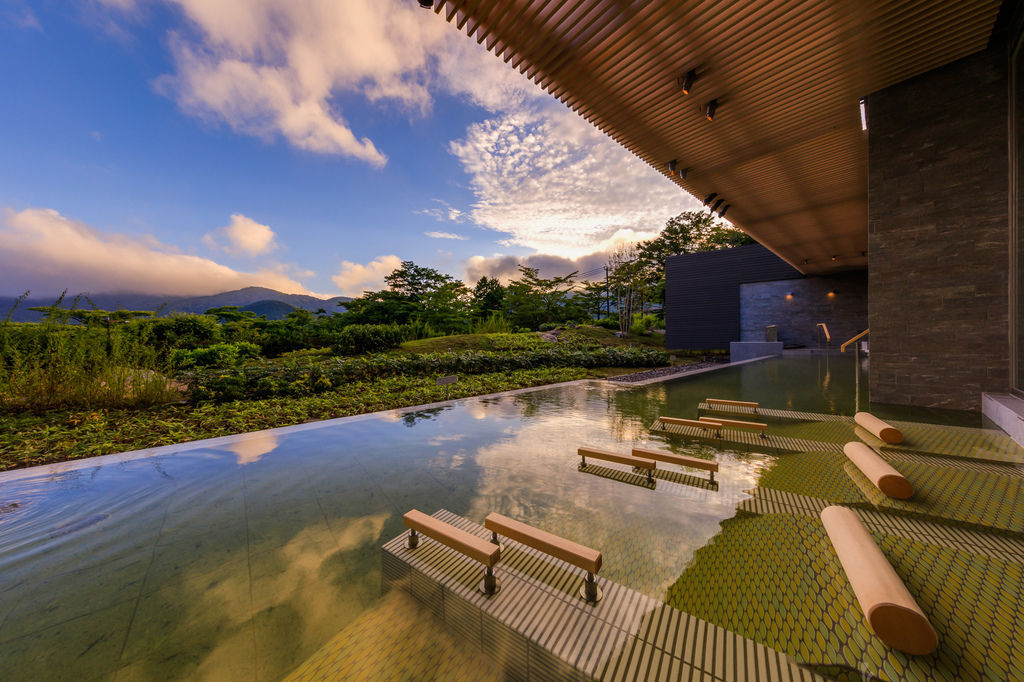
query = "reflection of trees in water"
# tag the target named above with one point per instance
(410, 418)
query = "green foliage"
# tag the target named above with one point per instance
(533, 300)
(495, 323)
(356, 339)
(296, 380)
(488, 297)
(27, 439)
(183, 331)
(643, 324)
(607, 323)
(217, 355)
(60, 364)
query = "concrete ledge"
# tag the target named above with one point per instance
(748, 350)
(1007, 411)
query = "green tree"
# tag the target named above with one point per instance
(533, 300)
(488, 297)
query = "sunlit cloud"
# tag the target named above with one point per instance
(355, 278)
(445, 235)
(21, 16)
(444, 213)
(242, 236)
(555, 184)
(44, 251)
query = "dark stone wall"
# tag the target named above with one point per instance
(938, 235)
(845, 313)
(702, 293)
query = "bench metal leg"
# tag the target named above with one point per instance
(489, 585)
(414, 539)
(589, 589)
(712, 479)
(650, 476)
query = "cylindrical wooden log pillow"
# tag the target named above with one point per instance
(887, 479)
(881, 430)
(891, 611)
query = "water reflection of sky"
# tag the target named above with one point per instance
(250, 553)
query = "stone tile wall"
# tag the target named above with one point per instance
(938, 235)
(845, 312)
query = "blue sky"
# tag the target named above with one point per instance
(190, 147)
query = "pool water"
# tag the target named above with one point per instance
(241, 557)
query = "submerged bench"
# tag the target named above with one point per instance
(695, 423)
(737, 424)
(465, 543)
(878, 471)
(681, 460)
(881, 430)
(890, 609)
(607, 456)
(571, 552)
(721, 402)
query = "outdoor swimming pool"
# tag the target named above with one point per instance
(242, 557)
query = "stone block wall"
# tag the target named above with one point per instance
(938, 235)
(845, 312)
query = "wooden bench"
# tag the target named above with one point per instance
(607, 456)
(681, 460)
(721, 402)
(576, 554)
(697, 424)
(890, 609)
(465, 543)
(737, 424)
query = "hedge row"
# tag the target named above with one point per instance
(254, 383)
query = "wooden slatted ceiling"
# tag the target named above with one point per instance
(785, 149)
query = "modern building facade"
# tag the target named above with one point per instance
(840, 134)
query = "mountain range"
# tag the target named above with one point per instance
(274, 304)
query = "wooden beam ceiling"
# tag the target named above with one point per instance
(785, 148)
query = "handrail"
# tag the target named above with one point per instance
(828, 337)
(842, 348)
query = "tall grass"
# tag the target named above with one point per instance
(57, 364)
(495, 324)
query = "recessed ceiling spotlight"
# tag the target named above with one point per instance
(709, 112)
(672, 166)
(710, 198)
(686, 82)
(721, 214)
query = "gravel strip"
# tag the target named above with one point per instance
(662, 372)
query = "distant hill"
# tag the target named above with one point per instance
(166, 305)
(272, 310)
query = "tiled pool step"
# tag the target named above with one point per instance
(536, 627)
(999, 545)
(752, 440)
(772, 413)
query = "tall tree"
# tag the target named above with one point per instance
(488, 297)
(533, 300)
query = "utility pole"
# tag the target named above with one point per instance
(607, 295)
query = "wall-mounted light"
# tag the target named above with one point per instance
(831, 293)
(709, 111)
(789, 294)
(717, 204)
(710, 198)
(835, 258)
(863, 114)
(806, 261)
(721, 214)
(686, 82)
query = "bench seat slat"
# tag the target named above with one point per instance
(461, 541)
(617, 458)
(714, 426)
(574, 553)
(736, 423)
(731, 403)
(681, 460)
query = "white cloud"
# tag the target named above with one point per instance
(355, 278)
(555, 184)
(506, 267)
(42, 250)
(244, 236)
(444, 213)
(445, 235)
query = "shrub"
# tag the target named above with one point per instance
(217, 355)
(356, 339)
(495, 324)
(256, 382)
(643, 324)
(548, 326)
(607, 323)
